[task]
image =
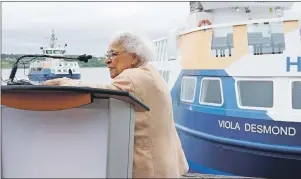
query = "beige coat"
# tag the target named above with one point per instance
(157, 148)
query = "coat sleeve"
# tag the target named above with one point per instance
(122, 82)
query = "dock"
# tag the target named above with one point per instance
(209, 176)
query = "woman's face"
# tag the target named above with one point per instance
(118, 59)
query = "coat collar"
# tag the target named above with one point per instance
(141, 64)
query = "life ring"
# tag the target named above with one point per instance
(205, 21)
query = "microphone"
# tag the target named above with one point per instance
(84, 58)
(13, 72)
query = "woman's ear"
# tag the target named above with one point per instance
(135, 60)
(134, 56)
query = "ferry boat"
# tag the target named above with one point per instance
(50, 68)
(234, 72)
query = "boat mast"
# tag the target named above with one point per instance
(52, 39)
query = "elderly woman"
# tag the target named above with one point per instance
(157, 148)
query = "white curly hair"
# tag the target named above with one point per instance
(137, 44)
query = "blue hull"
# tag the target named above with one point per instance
(227, 140)
(216, 152)
(44, 77)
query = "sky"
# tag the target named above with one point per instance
(86, 27)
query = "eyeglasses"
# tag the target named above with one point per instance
(112, 54)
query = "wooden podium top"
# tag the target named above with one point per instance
(51, 98)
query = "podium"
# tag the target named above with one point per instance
(67, 132)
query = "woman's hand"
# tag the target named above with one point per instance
(61, 82)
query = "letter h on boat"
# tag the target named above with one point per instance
(289, 63)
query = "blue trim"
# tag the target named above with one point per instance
(44, 77)
(217, 73)
(205, 170)
(244, 113)
(240, 143)
(246, 129)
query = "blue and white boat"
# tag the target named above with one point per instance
(234, 73)
(50, 68)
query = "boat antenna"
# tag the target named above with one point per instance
(52, 39)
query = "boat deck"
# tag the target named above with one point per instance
(207, 176)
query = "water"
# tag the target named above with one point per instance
(88, 75)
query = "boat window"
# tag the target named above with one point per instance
(211, 92)
(161, 50)
(296, 95)
(222, 42)
(188, 87)
(255, 93)
(59, 70)
(266, 38)
(57, 51)
(157, 50)
(48, 51)
(163, 53)
(165, 75)
(161, 73)
(65, 70)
